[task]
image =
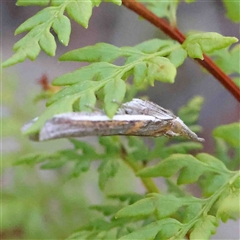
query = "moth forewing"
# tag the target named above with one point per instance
(139, 106)
(76, 125)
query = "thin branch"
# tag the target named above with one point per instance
(175, 34)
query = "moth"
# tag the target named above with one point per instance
(135, 118)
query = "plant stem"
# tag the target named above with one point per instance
(174, 33)
(147, 182)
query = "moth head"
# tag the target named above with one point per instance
(181, 129)
(177, 126)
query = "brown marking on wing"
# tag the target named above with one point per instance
(136, 125)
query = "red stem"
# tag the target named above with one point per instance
(175, 34)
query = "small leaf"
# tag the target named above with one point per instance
(53, 164)
(161, 69)
(88, 101)
(199, 43)
(111, 144)
(101, 52)
(174, 189)
(80, 11)
(167, 205)
(62, 27)
(212, 161)
(229, 207)
(140, 73)
(192, 211)
(221, 151)
(29, 3)
(29, 38)
(86, 148)
(129, 197)
(107, 170)
(100, 224)
(48, 44)
(81, 166)
(143, 207)
(16, 58)
(31, 52)
(184, 147)
(190, 112)
(133, 58)
(189, 175)
(150, 231)
(33, 47)
(75, 91)
(153, 45)
(162, 205)
(41, 17)
(228, 59)
(165, 9)
(177, 57)
(204, 228)
(190, 166)
(230, 133)
(32, 158)
(233, 10)
(168, 230)
(114, 94)
(138, 149)
(69, 154)
(101, 69)
(212, 183)
(28, 46)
